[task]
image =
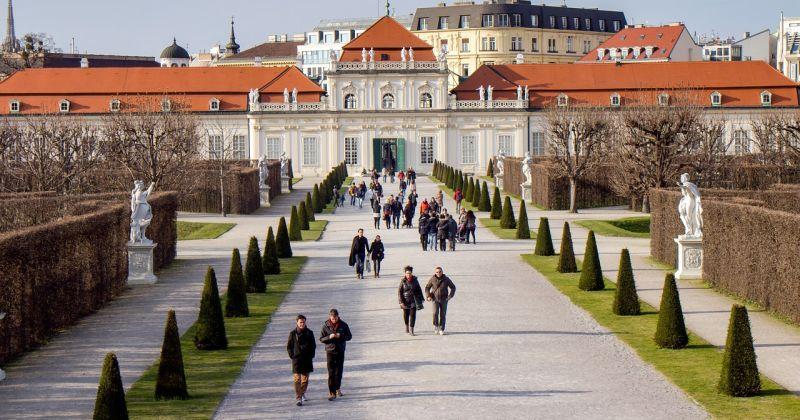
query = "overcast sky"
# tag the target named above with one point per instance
(144, 27)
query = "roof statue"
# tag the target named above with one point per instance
(294, 95)
(480, 93)
(489, 91)
(363, 55)
(410, 54)
(286, 95)
(403, 54)
(519, 92)
(371, 54)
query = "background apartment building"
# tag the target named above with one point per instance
(789, 47)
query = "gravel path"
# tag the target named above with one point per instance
(516, 347)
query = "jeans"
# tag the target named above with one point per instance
(471, 231)
(377, 222)
(410, 317)
(352, 200)
(396, 220)
(439, 314)
(335, 370)
(432, 244)
(458, 206)
(442, 244)
(452, 241)
(360, 202)
(360, 264)
(376, 267)
(300, 384)
(384, 178)
(423, 239)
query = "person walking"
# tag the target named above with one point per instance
(376, 212)
(385, 174)
(424, 206)
(452, 231)
(433, 232)
(370, 195)
(387, 212)
(440, 199)
(376, 251)
(397, 210)
(457, 197)
(301, 348)
(409, 295)
(408, 214)
(440, 289)
(360, 193)
(471, 226)
(442, 232)
(335, 335)
(358, 253)
(423, 230)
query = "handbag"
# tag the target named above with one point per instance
(369, 268)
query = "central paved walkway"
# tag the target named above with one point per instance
(516, 347)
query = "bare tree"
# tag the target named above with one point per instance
(10, 156)
(709, 156)
(153, 139)
(577, 136)
(222, 152)
(777, 136)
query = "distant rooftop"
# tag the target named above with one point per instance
(357, 23)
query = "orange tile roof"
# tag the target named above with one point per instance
(662, 38)
(387, 36)
(740, 83)
(91, 90)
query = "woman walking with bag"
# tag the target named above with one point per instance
(376, 252)
(376, 212)
(410, 297)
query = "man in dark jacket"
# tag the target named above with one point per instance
(440, 289)
(397, 210)
(423, 230)
(358, 253)
(301, 348)
(442, 232)
(433, 243)
(335, 334)
(452, 230)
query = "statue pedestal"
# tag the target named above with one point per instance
(498, 181)
(264, 193)
(286, 184)
(140, 264)
(525, 192)
(690, 258)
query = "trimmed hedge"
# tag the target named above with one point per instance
(270, 262)
(626, 300)
(544, 242)
(566, 257)
(497, 205)
(739, 376)
(210, 326)
(110, 402)
(671, 329)
(591, 272)
(171, 380)
(523, 231)
(254, 271)
(236, 296)
(507, 219)
(242, 194)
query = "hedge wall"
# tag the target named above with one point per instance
(45, 289)
(241, 192)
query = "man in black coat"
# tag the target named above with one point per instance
(452, 230)
(358, 253)
(440, 289)
(442, 233)
(335, 334)
(301, 348)
(423, 230)
(397, 210)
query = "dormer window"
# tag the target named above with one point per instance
(648, 51)
(13, 106)
(563, 100)
(663, 99)
(166, 105)
(615, 100)
(63, 105)
(766, 98)
(114, 105)
(716, 99)
(213, 104)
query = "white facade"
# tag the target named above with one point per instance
(789, 47)
(761, 46)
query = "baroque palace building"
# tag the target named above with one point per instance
(388, 102)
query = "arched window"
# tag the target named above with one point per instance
(716, 99)
(388, 101)
(766, 98)
(350, 101)
(174, 65)
(426, 100)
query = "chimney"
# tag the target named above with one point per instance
(84, 63)
(746, 35)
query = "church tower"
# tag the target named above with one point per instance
(232, 47)
(10, 43)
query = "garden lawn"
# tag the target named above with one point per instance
(209, 374)
(188, 231)
(315, 230)
(631, 227)
(331, 207)
(695, 369)
(494, 226)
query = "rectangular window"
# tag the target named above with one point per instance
(468, 146)
(516, 43)
(537, 145)
(310, 151)
(487, 21)
(563, 22)
(741, 142)
(463, 21)
(551, 45)
(274, 148)
(616, 26)
(488, 44)
(570, 47)
(215, 147)
(426, 150)
(552, 21)
(240, 146)
(423, 24)
(534, 45)
(328, 38)
(464, 44)
(601, 25)
(504, 144)
(351, 150)
(465, 70)
(587, 23)
(502, 20)
(442, 22)
(535, 21)
(443, 46)
(587, 46)
(516, 19)
(576, 23)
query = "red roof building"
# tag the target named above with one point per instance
(642, 44)
(737, 84)
(92, 90)
(386, 37)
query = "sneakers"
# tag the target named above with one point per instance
(441, 332)
(299, 402)
(435, 329)
(339, 393)
(303, 398)
(412, 332)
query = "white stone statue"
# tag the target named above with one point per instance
(526, 168)
(262, 171)
(489, 91)
(519, 92)
(442, 54)
(690, 209)
(501, 165)
(286, 95)
(254, 95)
(284, 165)
(410, 54)
(403, 54)
(526, 92)
(333, 56)
(480, 93)
(363, 55)
(294, 95)
(371, 54)
(141, 213)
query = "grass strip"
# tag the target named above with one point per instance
(188, 231)
(315, 229)
(209, 374)
(494, 226)
(629, 227)
(330, 208)
(696, 369)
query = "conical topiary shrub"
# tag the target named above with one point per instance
(490, 169)
(544, 242)
(171, 381)
(497, 205)
(591, 273)
(507, 219)
(476, 196)
(270, 262)
(236, 296)
(209, 331)
(282, 240)
(739, 376)
(316, 200)
(253, 270)
(309, 207)
(470, 190)
(523, 230)
(110, 403)
(485, 204)
(626, 300)
(566, 258)
(303, 215)
(294, 226)
(671, 330)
